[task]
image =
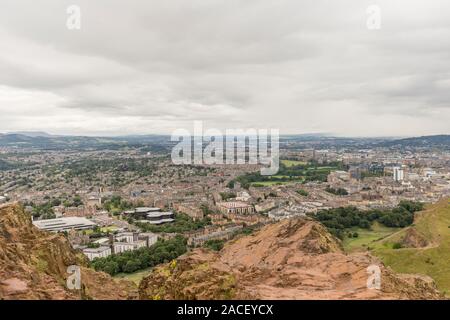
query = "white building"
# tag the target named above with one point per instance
(125, 237)
(100, 252)
(64, 224)
(119, 247)
(398, 174)
(149, 237)
(129, 241)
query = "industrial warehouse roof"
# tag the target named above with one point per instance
(61, 224)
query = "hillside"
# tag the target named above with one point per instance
(293, 259)
(425, 246)
(49, 142)
(33, 264)
(435, 141)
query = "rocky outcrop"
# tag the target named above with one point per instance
(33, 264)
(293, 259)
(413, 239)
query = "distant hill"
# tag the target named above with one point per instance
(32, 134)
(49, 142)
(424, 141)
(155, 143)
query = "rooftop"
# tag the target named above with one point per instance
(233, 204)
(146, 209)
(61, 224)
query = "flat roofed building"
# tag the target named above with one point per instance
(146, 213)
(125, 237)
(146, 209)
(191, 209)
(100, 252)
(159, 217)
(63, 224)
(149, 237)
(120, 247)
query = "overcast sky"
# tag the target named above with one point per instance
(138, 67)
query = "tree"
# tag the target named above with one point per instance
(215, 245)
(132, 266)
(111, 267)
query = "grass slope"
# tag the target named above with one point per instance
(434, 260)
(135, 277)
(292, 163)
(367, 238)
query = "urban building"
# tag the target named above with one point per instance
(151, 215)
(191, 209)
(64, 224)
(100, 252)
(235, 207)
(217, 235)
(398, 174)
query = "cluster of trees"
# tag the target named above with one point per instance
(338, 191)
(183, 223)
(116, 204)
(74, 202)
(205, 209)
(97, 233)
(5, 165)
(308, 172)
(370, 174)
(337, 220)
(303, 192)
(215, 245)
(131, 261)
(227, 195)
(54, 202)
(43, 211)
(87, 167)
(118, 171)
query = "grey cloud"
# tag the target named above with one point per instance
(152, 66)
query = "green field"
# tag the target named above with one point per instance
(434, 260)
(135, 277)
(109, 229)
(367, 238)
(292, 163)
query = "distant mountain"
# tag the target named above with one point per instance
(51, 142)
(32, 134)
(435, 141)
